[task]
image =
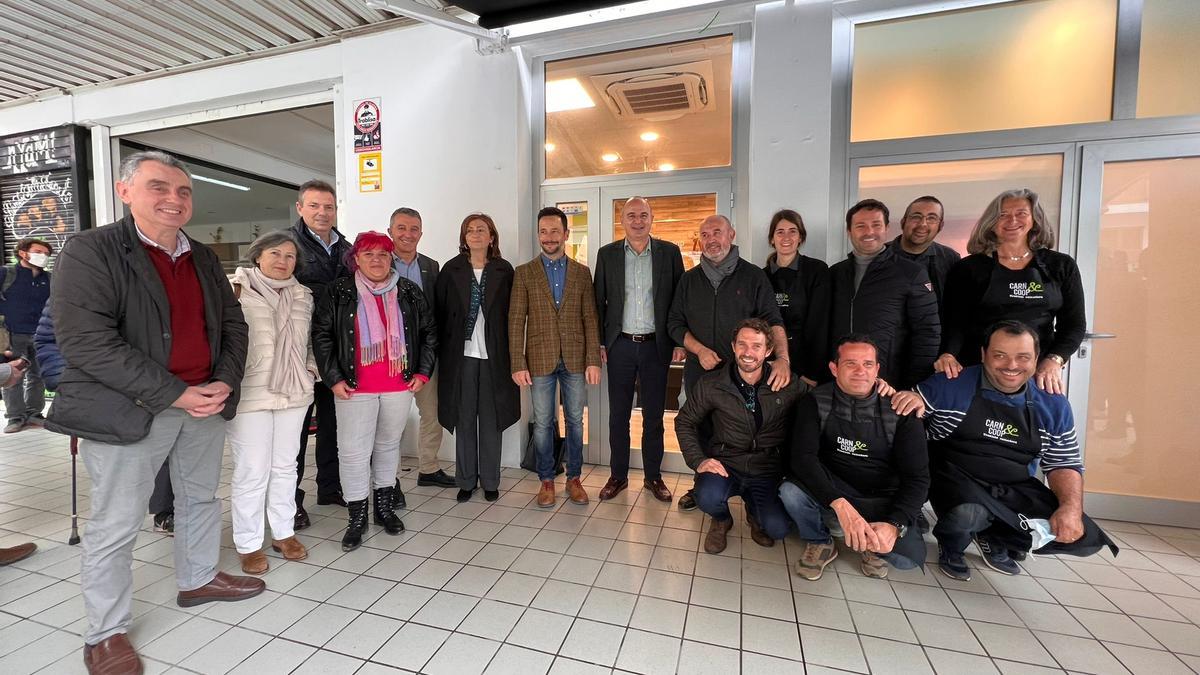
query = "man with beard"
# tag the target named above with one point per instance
(922, 222)
(554, 334)
(750, 427)
(324, 250)
(710, 303)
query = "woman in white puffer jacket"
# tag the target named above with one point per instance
(276, 391)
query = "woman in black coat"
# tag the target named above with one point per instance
(1014, 273)
(478, 399)
(802, 291)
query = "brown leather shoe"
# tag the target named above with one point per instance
(290, 548)
(9, 556)
(254, 563)
(659, 489)
(575, 491)
(613, 487)
(223, 588)
(756, 532)
(718, 534)
(545, 498)
(112, 656)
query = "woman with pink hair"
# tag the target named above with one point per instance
(375, 344)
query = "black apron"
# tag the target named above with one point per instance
(865, 441)
(793, 305)
(1026, 295)
(994, 440)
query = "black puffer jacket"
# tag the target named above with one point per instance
(734, 441)
(319, 268)
(895, 305)
(333, 329)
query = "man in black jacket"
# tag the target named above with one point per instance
(854, 457)
(891, 299)
(635, 283)
(155, 347)
(324, 250)
(923, 220)
(750, 426)
(711, 301)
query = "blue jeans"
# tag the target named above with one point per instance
(810, 516)
(955, 528)
(573, 388)
(758, 492)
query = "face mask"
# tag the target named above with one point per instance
(1039, 531)
(38, 259)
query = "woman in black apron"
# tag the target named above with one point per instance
(801, 287)
(1013, 273)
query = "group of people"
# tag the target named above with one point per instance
(805, 385)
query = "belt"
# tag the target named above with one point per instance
(644, 337)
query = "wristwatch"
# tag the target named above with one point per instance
(901, 530)
(1057, 359)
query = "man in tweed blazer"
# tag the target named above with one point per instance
(555, 337)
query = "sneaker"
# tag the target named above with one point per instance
(815, 557)
(873, 566)
(996, 557)
(14, 426)
(953, 565)
(1019, 556)
(165, 522)
(688, 501)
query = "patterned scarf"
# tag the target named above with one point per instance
(289, 368)
(380, 336)
(477, 291)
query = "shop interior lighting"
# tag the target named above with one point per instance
(214, 181)
(567, 94)
(666, 166)
(610, 157)
(649, 136)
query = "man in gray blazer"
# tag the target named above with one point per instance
(635, 283)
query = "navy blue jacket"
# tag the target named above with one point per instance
(50, 360)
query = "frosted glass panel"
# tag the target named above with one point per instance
(964, 187)
(1142, 421)
(1010, 66)
(1167, 80)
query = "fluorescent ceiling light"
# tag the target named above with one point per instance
(610, 157)
(666, 166)
(222, 183)
(649, 136)
(566, 95)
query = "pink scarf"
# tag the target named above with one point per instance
(380, 336)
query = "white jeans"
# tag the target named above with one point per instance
(369, 430)
(265, 444)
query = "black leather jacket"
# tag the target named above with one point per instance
(333, 328)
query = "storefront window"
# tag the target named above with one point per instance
(1167, 82)
(654, 109)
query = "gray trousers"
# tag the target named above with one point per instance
(368, 435)
(122, 480)
(476, 438)
(27, 397)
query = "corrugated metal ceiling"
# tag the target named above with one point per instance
(51, 45)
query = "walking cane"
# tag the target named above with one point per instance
(74, 503)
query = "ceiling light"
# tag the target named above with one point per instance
(566, 94)
(649, 136)
(610, 157)
(550, 147)
(214, 181)
(666, 166)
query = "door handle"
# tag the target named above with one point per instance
(1083, 346)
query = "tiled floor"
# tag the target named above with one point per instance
(510, 588)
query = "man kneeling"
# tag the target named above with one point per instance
(854, 457)
(750, 427)
(989, 428)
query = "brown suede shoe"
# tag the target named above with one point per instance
(575, 491)
(254, 563)
(223, 588)
(756, 532)
(9, 556)
(545, 498)
(290, 548)
(659, 489)
(718, 534)
(612, 488)
(112, 656)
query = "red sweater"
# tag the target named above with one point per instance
(191, 359)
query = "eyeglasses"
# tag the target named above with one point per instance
(932, 219)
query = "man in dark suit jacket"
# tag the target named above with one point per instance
(405, 229)
(635, 283)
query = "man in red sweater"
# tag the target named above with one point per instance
(155, 345)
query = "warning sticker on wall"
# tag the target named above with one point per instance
(368, 130)
(370, 172)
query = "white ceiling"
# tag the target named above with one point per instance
(303, 136)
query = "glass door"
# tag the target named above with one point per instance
(1130, 388)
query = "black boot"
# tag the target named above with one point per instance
(384, 514)
(398, 501)
(358, 525)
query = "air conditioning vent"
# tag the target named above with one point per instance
(658, 94)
